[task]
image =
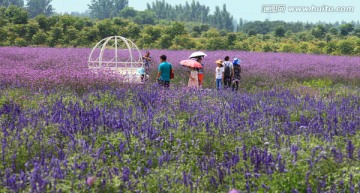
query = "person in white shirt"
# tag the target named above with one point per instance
(219, 74)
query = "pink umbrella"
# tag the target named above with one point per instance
(191, 63)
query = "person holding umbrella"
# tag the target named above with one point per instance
(193, 73)
(164, 69)
(199, 56)
(193, 78)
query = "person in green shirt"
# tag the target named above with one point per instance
(163, 76)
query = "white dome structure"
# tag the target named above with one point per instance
(120, 56)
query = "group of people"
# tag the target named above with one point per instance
(227, 73)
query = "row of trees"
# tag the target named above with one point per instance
(99, 9)
(16, 29)
(33, 7)
(319, 30)
(102, 9)
(160, 11)
(194, 12)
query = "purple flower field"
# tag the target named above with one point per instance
(64, 67)
(111, 137)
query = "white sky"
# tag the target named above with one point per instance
(248, 10)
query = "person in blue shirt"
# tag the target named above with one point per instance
(163, 76)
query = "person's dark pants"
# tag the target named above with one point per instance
(235, 86)
(164, 83)
(227, 82)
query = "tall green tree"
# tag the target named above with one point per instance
(7, 3)
(346, 29)
(128, 12)
(279, 31)
(102, 9)
(37, 7)
(16, 15)
(194, 12)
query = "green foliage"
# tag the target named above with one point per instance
(105, 9)
(215, 43)
(70, 36)
(165, 41)
(280, 31)
(31, 29)
(286, 47)
(319, 83)
(140, 26)
(21, 42)
(303, 47)
(88, 36)
(19, 30)
(211, 33)
(251, 32)
(16, 15)
(154, 33)
(3, 34)
(37, 7)
(7, 3)
(55, 36)
(145, 17)
(43, 22)
(175, 29)
(128, 12)
(230, 40)
(319, 31)
(40, 38)
(267, 47)
(346, 47)
(106, 28)
(183, 42)
(193, 12)
(345, 29)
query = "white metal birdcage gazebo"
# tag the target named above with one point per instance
(120, 56)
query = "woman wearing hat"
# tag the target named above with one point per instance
(219, 74)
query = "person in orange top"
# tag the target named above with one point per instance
(200, 71)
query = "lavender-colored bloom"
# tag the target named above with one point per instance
(125, 174)
(265, 187)
(350, 149)
(294, 149)
(308, 189)
(65, 131)
(234, 191)
(185, 179)
(91, 180)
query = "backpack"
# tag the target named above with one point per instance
(227, 70)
